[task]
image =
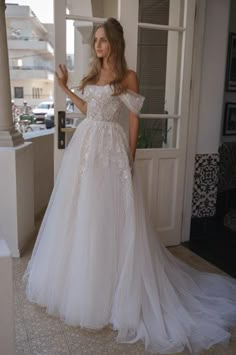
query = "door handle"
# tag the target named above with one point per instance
(62, 129)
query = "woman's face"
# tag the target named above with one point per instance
(101, 44)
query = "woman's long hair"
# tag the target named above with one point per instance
(115, 36)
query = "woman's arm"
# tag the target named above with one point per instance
(62, 78)
(131, 83)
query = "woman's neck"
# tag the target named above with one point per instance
(107, 65)
(107, 73)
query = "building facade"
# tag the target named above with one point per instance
(31, 56)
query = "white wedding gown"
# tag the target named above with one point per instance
(97, 260)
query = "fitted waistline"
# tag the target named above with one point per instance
(101, 121)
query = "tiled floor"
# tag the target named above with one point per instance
(39, 333)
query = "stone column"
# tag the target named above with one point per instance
(9, 136)
(17, 165)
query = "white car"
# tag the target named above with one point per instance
(49, 117)
(42, 109)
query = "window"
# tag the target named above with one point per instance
(36, 93)
(160, 43)
(17, 63)
(18, 92)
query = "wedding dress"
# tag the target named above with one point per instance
(97, 260)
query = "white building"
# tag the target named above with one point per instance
(30, 56)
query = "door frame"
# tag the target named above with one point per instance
(188, 158)
(199, 30)
(192, 110)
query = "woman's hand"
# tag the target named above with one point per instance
(62, 76)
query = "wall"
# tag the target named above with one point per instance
(213, 76)
(25, 187)
(230, 96)
(46, 93)
(232, 24)
(17, 196)
(211, 101)
(43, 167)
(110, 8)
(7, 329)
(18, 11)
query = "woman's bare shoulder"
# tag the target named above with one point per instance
(130, 80)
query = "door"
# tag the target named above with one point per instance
(159, 41)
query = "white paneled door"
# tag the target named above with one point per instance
(159, 45)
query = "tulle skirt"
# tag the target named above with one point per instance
(97, 260)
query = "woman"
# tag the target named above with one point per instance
(97, 260)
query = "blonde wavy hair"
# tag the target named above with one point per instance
(115, 36)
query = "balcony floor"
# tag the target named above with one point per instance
(38, 333)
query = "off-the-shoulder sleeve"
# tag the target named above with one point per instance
(132, 101)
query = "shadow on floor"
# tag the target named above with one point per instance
(218, 249)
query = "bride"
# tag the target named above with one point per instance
(97, 261)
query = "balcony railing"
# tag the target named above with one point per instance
(26, 38)
(30, 43)
(32, 67)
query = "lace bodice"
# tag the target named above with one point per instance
(102, 106)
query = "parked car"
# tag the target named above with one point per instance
(49, 116)
(41, 110)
